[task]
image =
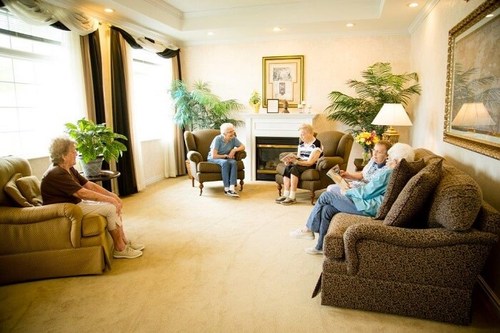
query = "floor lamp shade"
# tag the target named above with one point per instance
(392, 114)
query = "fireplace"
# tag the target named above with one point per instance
(282, 127)
(267, 154)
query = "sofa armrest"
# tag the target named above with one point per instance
(20, 215)
(32, 220)
(436, 256)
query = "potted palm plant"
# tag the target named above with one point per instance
(380, 86)
(200, 108)
(95, 143)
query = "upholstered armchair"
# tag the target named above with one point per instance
(39, 242)
(198, 146)
(336, 150)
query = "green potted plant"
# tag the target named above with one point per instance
(380, 86)
(95, 143)
(255, 101)
(200, 108)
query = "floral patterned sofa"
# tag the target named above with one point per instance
(421, 258)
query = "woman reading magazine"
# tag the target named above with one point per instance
(308, 153)
(362, 200)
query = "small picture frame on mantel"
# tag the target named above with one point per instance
(272, 105)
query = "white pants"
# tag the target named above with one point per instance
(102, 208)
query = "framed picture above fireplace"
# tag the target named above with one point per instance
(283, 79)
(272, 105)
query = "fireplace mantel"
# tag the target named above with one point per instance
(275, 125)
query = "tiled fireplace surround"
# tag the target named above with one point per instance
(270, 125)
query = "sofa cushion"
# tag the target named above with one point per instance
(456, 201)
(400, 176)
(13, 191)
(414, 196)
(29, 187)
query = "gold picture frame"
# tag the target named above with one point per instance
(283, 79)
(472, 106)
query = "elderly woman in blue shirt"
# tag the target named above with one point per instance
(223, 151)
(362, 200)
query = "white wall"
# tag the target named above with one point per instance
(235, 70)
(429, 48)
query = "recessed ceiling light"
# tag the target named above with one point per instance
(277, 29)
(108, 10)
(210, 33)
(349, 25)
(413, 5)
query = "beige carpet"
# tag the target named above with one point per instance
(212, 264)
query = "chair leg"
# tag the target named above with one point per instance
(312, 197)
(278, 186)
(241, 184)
(201, 188)
(192, 182)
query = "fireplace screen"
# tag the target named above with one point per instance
(268, 152)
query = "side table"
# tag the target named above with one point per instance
(104, 175)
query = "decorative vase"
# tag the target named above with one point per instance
(367, 154)
(256, 107)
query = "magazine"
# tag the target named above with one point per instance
(289, 158)
(334, 173)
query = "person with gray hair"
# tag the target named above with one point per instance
(223, 151)
(63, 183)
(362, 200)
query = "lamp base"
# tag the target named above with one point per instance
(391, 135)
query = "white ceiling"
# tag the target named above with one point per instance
(188, 22)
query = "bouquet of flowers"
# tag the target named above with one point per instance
(367, 140)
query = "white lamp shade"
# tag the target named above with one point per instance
(392, 114)
(473, 114)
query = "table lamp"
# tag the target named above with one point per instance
(392, 114)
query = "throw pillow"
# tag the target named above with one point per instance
(30, 188)
(456, 201)
(400, 176)
(414, 196)
(12, 191)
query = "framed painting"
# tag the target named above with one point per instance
(472, 107)
(272, 105)
(283, 79)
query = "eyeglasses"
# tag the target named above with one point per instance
(375, 151)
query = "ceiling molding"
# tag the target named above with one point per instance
(422, 15)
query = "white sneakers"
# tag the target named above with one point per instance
(231, 194)
(135, 245)
(132, 250)
(302, 234)
(127, 253)
(312, 250)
